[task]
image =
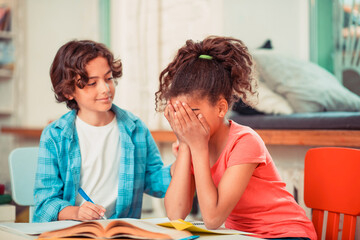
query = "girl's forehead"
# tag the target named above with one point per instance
(184, 98)
(190, 100)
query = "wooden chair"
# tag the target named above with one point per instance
(332, 183)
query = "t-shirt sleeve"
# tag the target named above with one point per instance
(248, 148)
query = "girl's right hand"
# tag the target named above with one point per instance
(169, 115)
(90, 211)
(191, 128)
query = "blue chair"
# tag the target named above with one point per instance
(23, 164)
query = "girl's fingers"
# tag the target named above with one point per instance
(184, 112)
(190, 113)
(170, 115)
(179, 115)
(204, 123)
(176, 125)
(168, 109)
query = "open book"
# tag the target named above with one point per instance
(199, 227)
(109, 229)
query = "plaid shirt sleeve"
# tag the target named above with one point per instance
(157, 178)
(48, 189)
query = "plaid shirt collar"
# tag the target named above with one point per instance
(67, 121)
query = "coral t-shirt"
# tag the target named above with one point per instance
(265, 208)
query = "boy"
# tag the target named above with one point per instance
(105, 150)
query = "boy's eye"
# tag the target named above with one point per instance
(110, 78)
(91, 84)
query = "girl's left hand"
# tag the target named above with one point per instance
(191, 128)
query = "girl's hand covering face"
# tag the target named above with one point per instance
(187, 126)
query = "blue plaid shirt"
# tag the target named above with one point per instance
(58, 173)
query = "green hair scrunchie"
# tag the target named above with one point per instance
(203, 56)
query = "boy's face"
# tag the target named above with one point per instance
(96, 97)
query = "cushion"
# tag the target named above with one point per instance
(317, 120)
(270, 102)
(306, 86)
(266, 102)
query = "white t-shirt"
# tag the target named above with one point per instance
(100, 156)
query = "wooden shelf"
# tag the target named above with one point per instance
(338, 138)
(6, 35)
(5, 113)
(27, 132)
(5, 73)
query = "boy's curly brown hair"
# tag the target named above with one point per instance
(227, 74)
(68, 68)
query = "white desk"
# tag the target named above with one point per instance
(22, 228)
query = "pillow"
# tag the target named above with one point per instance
(267, 102)
(306, 86)
(270, 102)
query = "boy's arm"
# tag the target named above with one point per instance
(179, 196)
(49, 193)
(157, 176)
(48, 188)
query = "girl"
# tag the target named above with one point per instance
(97, 146)
(227, 164)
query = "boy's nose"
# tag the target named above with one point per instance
(105, 87)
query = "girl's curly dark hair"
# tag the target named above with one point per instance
(68, 68)
(228, 74)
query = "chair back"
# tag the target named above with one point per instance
(332, 183)
(23, 164)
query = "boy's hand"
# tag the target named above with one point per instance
(90, 211)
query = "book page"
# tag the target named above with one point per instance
(199, 227)
(121, 228)
(90, 229)
(36, 228)
(150, 228)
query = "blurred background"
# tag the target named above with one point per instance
(145, 35)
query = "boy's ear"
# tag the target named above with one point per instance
(223, 107)
(69, 97)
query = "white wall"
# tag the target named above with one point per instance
(42, 27)
(48, 25)
(146, 35)
(285, 22)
